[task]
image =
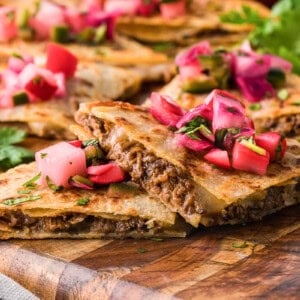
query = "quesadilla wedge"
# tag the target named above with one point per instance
(269, 114)
(180, 178)
(202, 19)
(109, 213)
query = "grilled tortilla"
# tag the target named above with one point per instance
(202, 19)
(110, 213)
(274, 114)
(148, 64)
(181, 179)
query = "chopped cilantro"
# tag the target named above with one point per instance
(155, 239)
(90, 142)
(24, 191)
(15, 201)
(255, 106)
(53, 186)
(83, 201)
(141, 250)
(31, 183)
(43, 155)
(240, 245)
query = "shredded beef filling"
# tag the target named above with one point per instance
(154, 174)
(289, 125)
(277, 197)
(72, 223)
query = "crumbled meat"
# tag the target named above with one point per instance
(277, 197)
(73, 222)
(154, 174)
(288, 125)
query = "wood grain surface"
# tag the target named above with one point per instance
(255, 261)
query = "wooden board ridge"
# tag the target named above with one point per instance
(258, 260)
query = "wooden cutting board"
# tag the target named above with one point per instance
(260, 260)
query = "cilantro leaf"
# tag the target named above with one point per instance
(10, 135)
(11, 156)
(246, 16)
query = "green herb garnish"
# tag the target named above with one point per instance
(255, 106)
(141, 250)
(11, 155)
(155, 239)
(53, 186)
(192, 127)
(296, 103)
(83, 201)
(278, 34)
(282, 94)
(90, 142)
(31, 183)
(24, 192)
(240, 245)
(15, 201)
(43, 155)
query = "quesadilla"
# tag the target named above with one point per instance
(202, 20)
(111, 212)
(181, 179)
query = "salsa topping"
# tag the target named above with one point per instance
(220, 131)
(256, 75)
(25, 82)
(79, 164)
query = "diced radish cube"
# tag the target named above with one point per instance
(48, 16)
(173, 9)
(61, 60)
(130, 8)
(227, 115)
(196, 145)
(10, 79)
(76, 143)
(273, 143)
(165, 110)
(201, 110)
(245, 159)
(105, 174)
(39, 82)
(8, 27)
(61, 85)
(6, 100)
(59, 162)
(75, 19)
(218, 157)
(18, 63)
(190, 71)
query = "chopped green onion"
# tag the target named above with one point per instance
(31, 183)
(24, 191)
(100, 34)
(15, 201)
(155, 239)
(240, 245)
(60, 34)
(253, 147)
(141, 250)
(255, 106)
(90, 142)
(296, 103)
(20, 98)
(83, 201)
(282, 94)
(53, 186)
(43, 155)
